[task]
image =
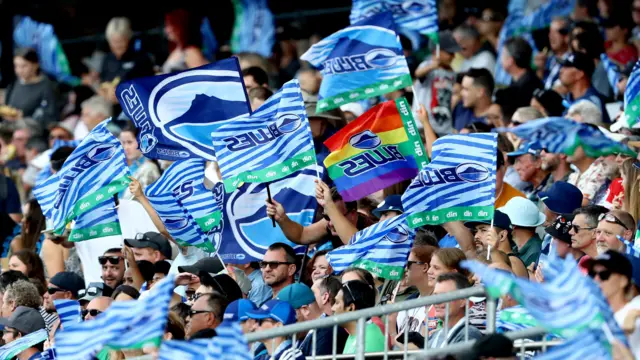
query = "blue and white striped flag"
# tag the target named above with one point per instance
(419, 15)
(182, 202)
(229, 344)
(458, 184)
(273, 142)
(46, 170)
(124, 325)
(613, 72)
(17, 346)
(631, 115)
(184, 350)
(543, 16)
(590, 345)
(382, 249)
(176, 113)
(100, 222)
(49, 354)
(69, 311)
(93, 173)
(253, 28)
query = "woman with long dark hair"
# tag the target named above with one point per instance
(33, 223)
(183, 32)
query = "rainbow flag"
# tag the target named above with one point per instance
(380, 148)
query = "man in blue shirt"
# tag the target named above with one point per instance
(575, 74)
(260, 292)
(477, 89)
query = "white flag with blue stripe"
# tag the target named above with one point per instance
(17, 346)
(273, 142)
(229, 343)
(69, 311)
(590, 345)
(458, 184)
(100, 222)
(184, 181)
(417, 15)
(184, 350)
(631, 114)
(124, 325)
(93, 173)
(613, 72)
(382, 249)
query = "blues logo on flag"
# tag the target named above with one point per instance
(382, 249)
(458, 184)
(412, 15)
(275, 141)
(248, 231)
(361, 61)
(176, 113)
(93, 173)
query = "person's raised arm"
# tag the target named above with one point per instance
(429, 135)
(463, 236)
(344, 228)
(296, 233)
(138, 279)
(136, 189)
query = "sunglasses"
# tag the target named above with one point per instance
(577, 229)
(92, 312)
(113, 260)
(196, 312)
(273, 264)
(604, 275)
(610, 218)
(410, 263)
(52, 291)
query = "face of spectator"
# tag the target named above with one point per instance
(338, 307)
(635, 12)
(550, 161)
(388, 215)
(58, 134)
(7, 307)
(606, 236)
(352, 216)
(113, 274)
(322, 297)
(320, 268)
(318, 126)
(436, 268)
(130, 145)
(415, 270)
(128, 278)
(148, 254)
(570, 75)
(9, 335)
(248, 326)
(91, 118)
(96, 307)
(350, 276)
(123, 297)
(200, 317)
(621, 85)
(25, 70)
(16, 264)
(557, 41)
(57, 295)
(309, 82)
(281, 272)
(118, 44)
(19, 140)
(470, 93)
(250, 82)
(444, 287)
(527, 166)
(486, 24)
(506, 60)
(610, 283)
(582, 235)
(170, 32)
(468, 46)
(494, 115)
(615, 33)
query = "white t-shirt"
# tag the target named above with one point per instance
(133, 220)
(634, 338)
(482, 60)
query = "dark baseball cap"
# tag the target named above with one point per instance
(562, 197)
(613, 261)
(24, 319)
(211, 265)
(448, 43)
(390, 203)
(222, 284)
(579, 61)
(68, 281)
(152, 240)
(500, 220)
(560, 227)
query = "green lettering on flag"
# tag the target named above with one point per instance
(94, 232)
(364, 92)
(381, 270)
(441, 216)
(412, 133)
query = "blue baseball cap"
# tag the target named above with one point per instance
(500, 220)
(390, 203)
(277, 310)
(297, 295)
(237, 310)
(532, 148)
(634, 258)
(561, 198)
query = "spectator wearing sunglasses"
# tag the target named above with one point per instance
(96, 307)
(112, 263)
(150, 246)
(63, 285)
(583, 234)
(278, 267)
(22, 322)
(205, 315)
(613, 273)
(610, 226)
(273, 314)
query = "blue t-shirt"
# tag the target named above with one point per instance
(324, 341)
(260, 292)
(463, 116)
(11, 205)
(592, 95)
(448, 241)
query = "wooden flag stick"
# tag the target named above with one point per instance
(273, 219)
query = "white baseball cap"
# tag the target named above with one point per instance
(523, 212)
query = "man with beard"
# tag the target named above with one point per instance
(63, 285)
(528, 163)
(112, 263)
(278, 267)
(557, 165)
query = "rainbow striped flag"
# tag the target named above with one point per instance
(380, 148)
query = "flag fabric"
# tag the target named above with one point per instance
(124, 325)
(184, 350)
(361, 61)
(590, 345)
(100, 222)
(380, 148)
(515, 318)
(229, 343)
(49, 354)
(559, 135)
(176, 113)
(69, 311)
(46, 172)
(631, 114)
(381, 249)
(273, 142)
(613, 72)
(458, 184)
(17, 346)
(420, 16)
(203, 208)
(188, 210)
(253, 28)
(93, 173)
(209, 41)
(28, 33)
(248, 232)
(543, 16)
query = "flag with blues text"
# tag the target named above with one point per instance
(271, 143)
(100, 222)
(188, 210)
(559, 135)
(184, 350)
(418, 15)
(124, 325)
(631, 115)
(12, 349)
(248, 232)
(229, 343)
(253, 28)
(28, 33)
(361, 61)
(381, 249)
(458, 184)
(92, 174)
(176, 113)
(69, 311)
